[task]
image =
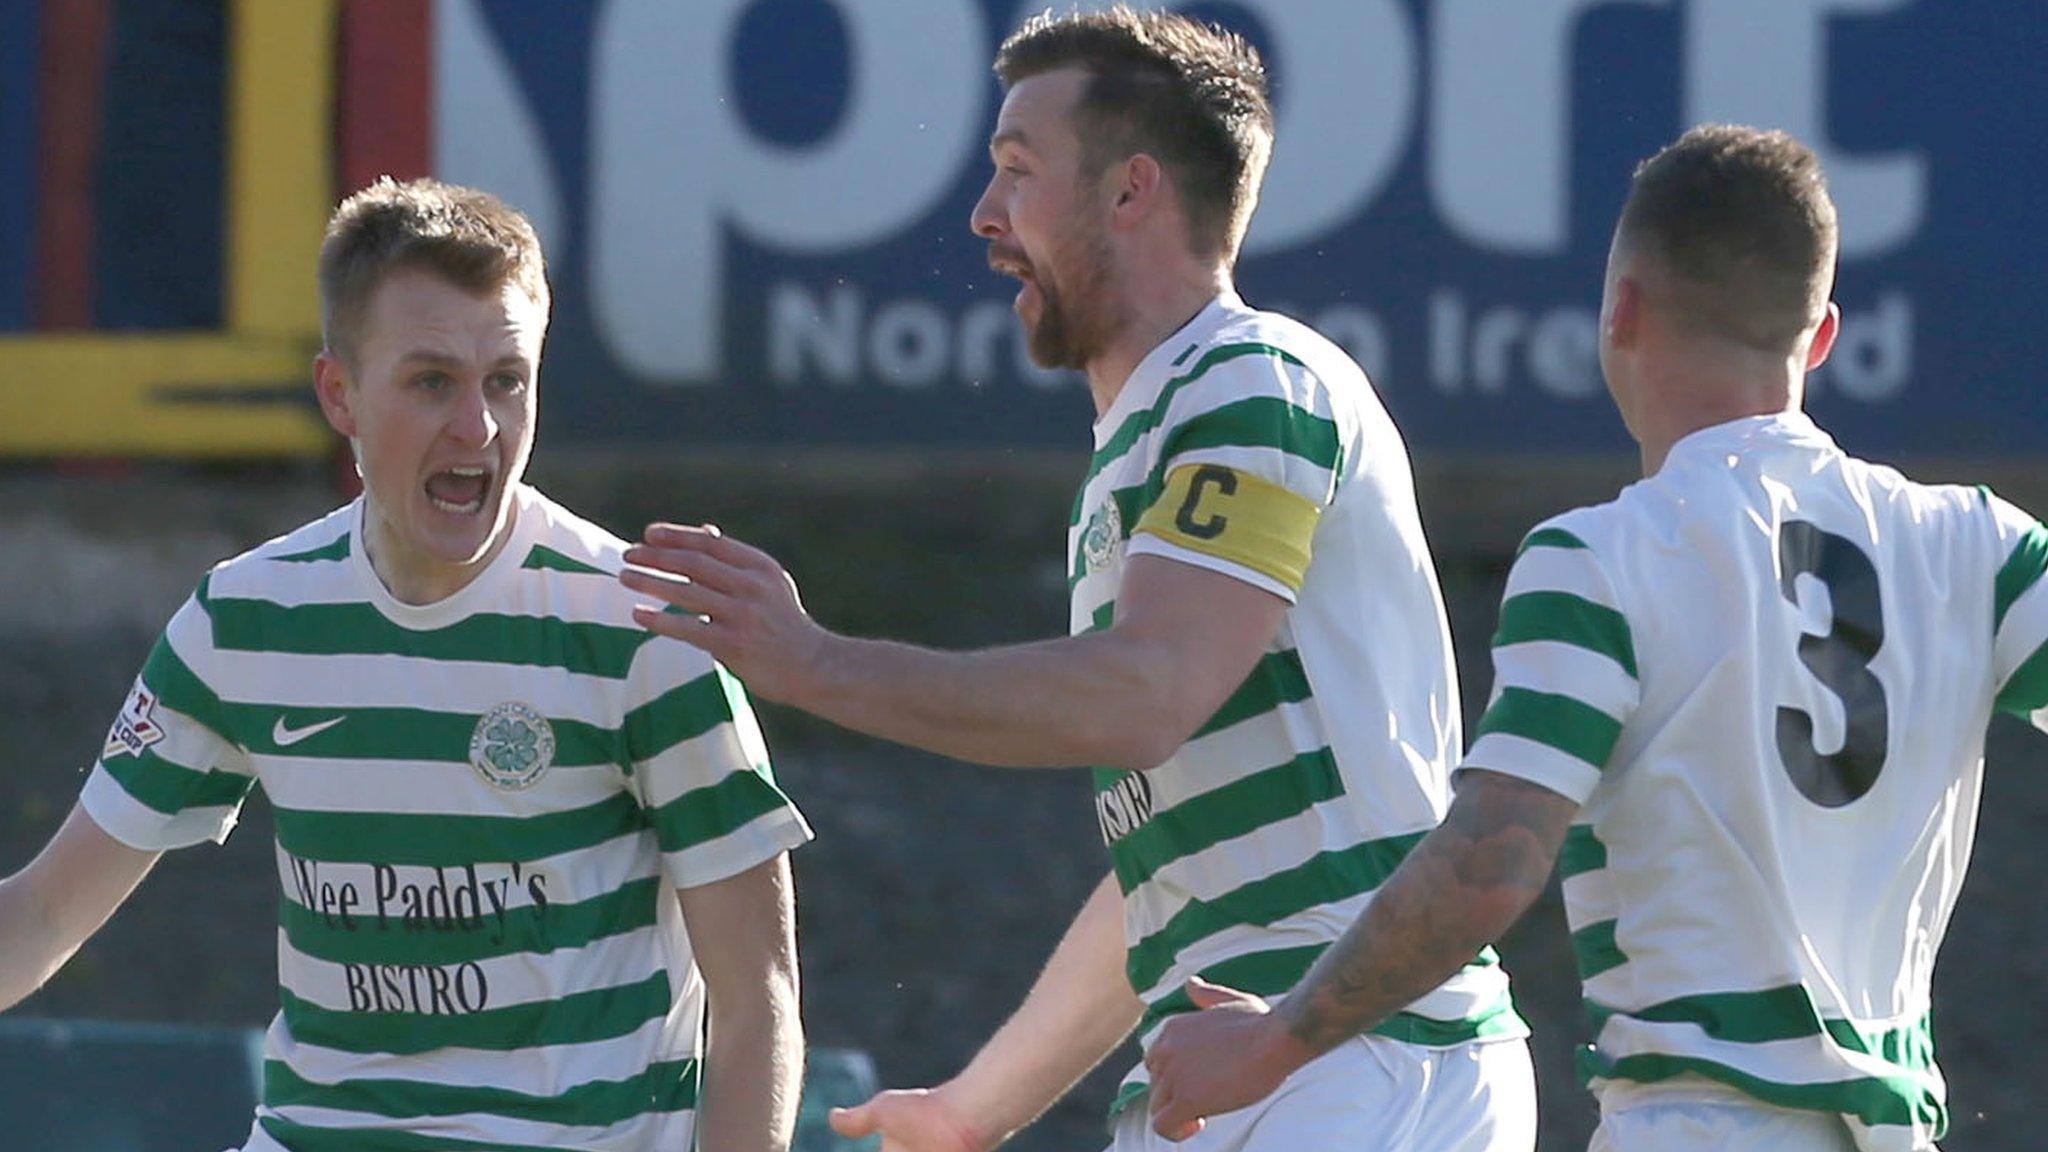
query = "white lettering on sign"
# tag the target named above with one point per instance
(908, 344)
(1346, 110)
(1763, 62)
(1500, 154)
(676, 173)
(674, 166)
(485, 131)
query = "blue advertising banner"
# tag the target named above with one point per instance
(18, 35)
(757, 210)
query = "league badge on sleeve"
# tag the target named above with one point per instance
(512, 745)
(135, 728)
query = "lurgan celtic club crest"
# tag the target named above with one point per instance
(512, 745)
(1103, 537)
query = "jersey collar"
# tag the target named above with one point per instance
(1171, 355)
(464, 601)
(1749, 433)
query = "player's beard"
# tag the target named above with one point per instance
(1074, 323)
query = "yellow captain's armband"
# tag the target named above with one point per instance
(1235, 516)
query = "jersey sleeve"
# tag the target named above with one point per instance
(699, 769)
(2020, 614)
(170, 774)
(1564, 670)
(1251, 458)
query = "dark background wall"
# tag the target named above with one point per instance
(934, 890)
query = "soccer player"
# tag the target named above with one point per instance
(1747, 699)
(498, 805)
(1259, 669)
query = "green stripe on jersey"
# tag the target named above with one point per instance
(705, 814)
(1549, 538)
(682, 713)
(577, 1018)
(1278, 678)
(307, 1138)
(1569, 619)
(1911, 1048)
(1786, 1012)
(172, 788)
(1571, 726)
(1276, 972)
(1238, 808)
(1875, 1100)
(1130, 1093)
(368, 733)
(669, 1086)
(2026, 690)
(543, 558)
(1498, 1018)
(180, 689)
(1582, 852)
(405, 734)
(1776, 1015)
(1103, 616)
(529, 929)
(435, 840)
(358, 629)
(2021, 571)
(1782, 1013)
(1139, 423)
(334, 550)
(1324, 879)
(1596, 950)
(1257, 422)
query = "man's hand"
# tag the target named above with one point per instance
(738, 604)
(910, 1120)
(1230, 1055)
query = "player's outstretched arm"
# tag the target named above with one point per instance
(51, 907)
(743, 930)
(1077, 1012)
(1124, 697)
(1461, 888)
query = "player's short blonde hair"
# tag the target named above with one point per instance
(472, 238)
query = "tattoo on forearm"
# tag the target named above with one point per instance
(1460, 888)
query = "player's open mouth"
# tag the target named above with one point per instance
(1027, 284)
(1018, 269)
(461, 491)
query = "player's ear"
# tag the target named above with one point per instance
(337, 398)
(1138, 187)
(1824, 337)
(1623, 314)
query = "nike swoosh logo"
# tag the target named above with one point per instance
(285, 737)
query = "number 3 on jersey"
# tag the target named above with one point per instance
(1840, 660)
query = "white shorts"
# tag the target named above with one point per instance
(1373, 1094)
(1693, 1114)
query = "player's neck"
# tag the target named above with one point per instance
(416, 577)
(1156, 307)
(1677, 421)
(1689, 389)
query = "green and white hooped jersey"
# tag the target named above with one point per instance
(1766, 672)
(1251, 446)
(483, 806)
